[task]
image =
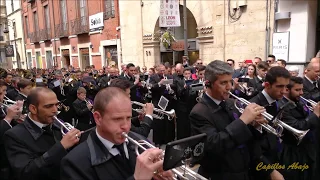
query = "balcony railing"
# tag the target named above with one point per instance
(45, 34)
(62, 30)
(79, 25)
(34, 37)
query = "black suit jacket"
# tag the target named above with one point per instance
(4, 126)
(144, 128)
(226, 154)
(266, 147)
(310, 91)
(83, 114)
(33, 153)
(92, 161)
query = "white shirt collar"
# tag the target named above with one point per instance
(213, 99)
(39, 124)
(22, 94)
(269, 99)
(259, 77)
(109, 145)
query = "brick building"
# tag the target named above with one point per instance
(71, 32)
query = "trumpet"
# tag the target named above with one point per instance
(91, 86)
(186, 171)
(311, 102)
(8, 100)
(61, 105)
(245, 89)
(65, 127)
(298, 134)
(88, 102)
(160, 113)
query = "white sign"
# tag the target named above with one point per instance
(96, 21)
(169, 13)
(280, 47)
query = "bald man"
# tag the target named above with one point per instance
(315, 60)
(311, 89)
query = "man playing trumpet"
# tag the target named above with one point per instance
(83, 108)
(226, 154)
(107, 154)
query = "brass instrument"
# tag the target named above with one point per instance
(91, 85)
(64, 126)
(311, 102)
(88, 102)
(61, 105)
(160, 113)
(299, 135)
(181, 174)
(245, 89)
(8, 101)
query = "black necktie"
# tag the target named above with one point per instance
(272, 108)
(47, 129)
(223, 105)
(121, 150)
(315, 84)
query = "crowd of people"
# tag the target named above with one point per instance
(229, 105)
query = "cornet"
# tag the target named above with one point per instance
(160, 113)
(311, 102)
(65, 127)
(299, 135)
(181, 174)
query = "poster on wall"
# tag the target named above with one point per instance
(280, 47)
(169, 13)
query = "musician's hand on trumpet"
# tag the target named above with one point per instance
(148, 163)
(258, 121)
(89, 106)
(13, 112)
(316, 109)
(147, 110)
(251, 112)
(70, 138)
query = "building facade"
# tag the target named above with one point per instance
(71, 32)
(236, 29)
(16, 35)
(4, 63)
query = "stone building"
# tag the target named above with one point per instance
(16, 36)
(4, 63)
(236, 29)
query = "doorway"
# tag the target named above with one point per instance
(84, 58)
(49, 59)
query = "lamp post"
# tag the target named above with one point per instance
(11, 23)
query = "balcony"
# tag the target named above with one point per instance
(62, 30)
(45, 34)
(34, 37)
(79, 25)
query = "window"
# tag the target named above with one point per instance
(36, 23)
(47, 17)
(109, 9)
(27, 26)
(82, 6)
(14, 27)
(63, 7)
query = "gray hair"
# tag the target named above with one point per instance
(215, 69)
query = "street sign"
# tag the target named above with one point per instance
(280, 47)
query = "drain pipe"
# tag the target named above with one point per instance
(267, 31)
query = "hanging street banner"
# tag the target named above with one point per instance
(169, 13)
(9, 51)
(280, 47)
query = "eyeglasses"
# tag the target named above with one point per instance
(230, 64)
(199, 63)
(268, 61)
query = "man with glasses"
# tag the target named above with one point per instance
(271, 59)
(231, 63)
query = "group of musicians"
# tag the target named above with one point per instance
(245, 139)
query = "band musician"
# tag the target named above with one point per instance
(269, 145)
(83, 107)
(228, 132)
(299, 116)
(107, 154)
(7, 121)
(36, 147)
